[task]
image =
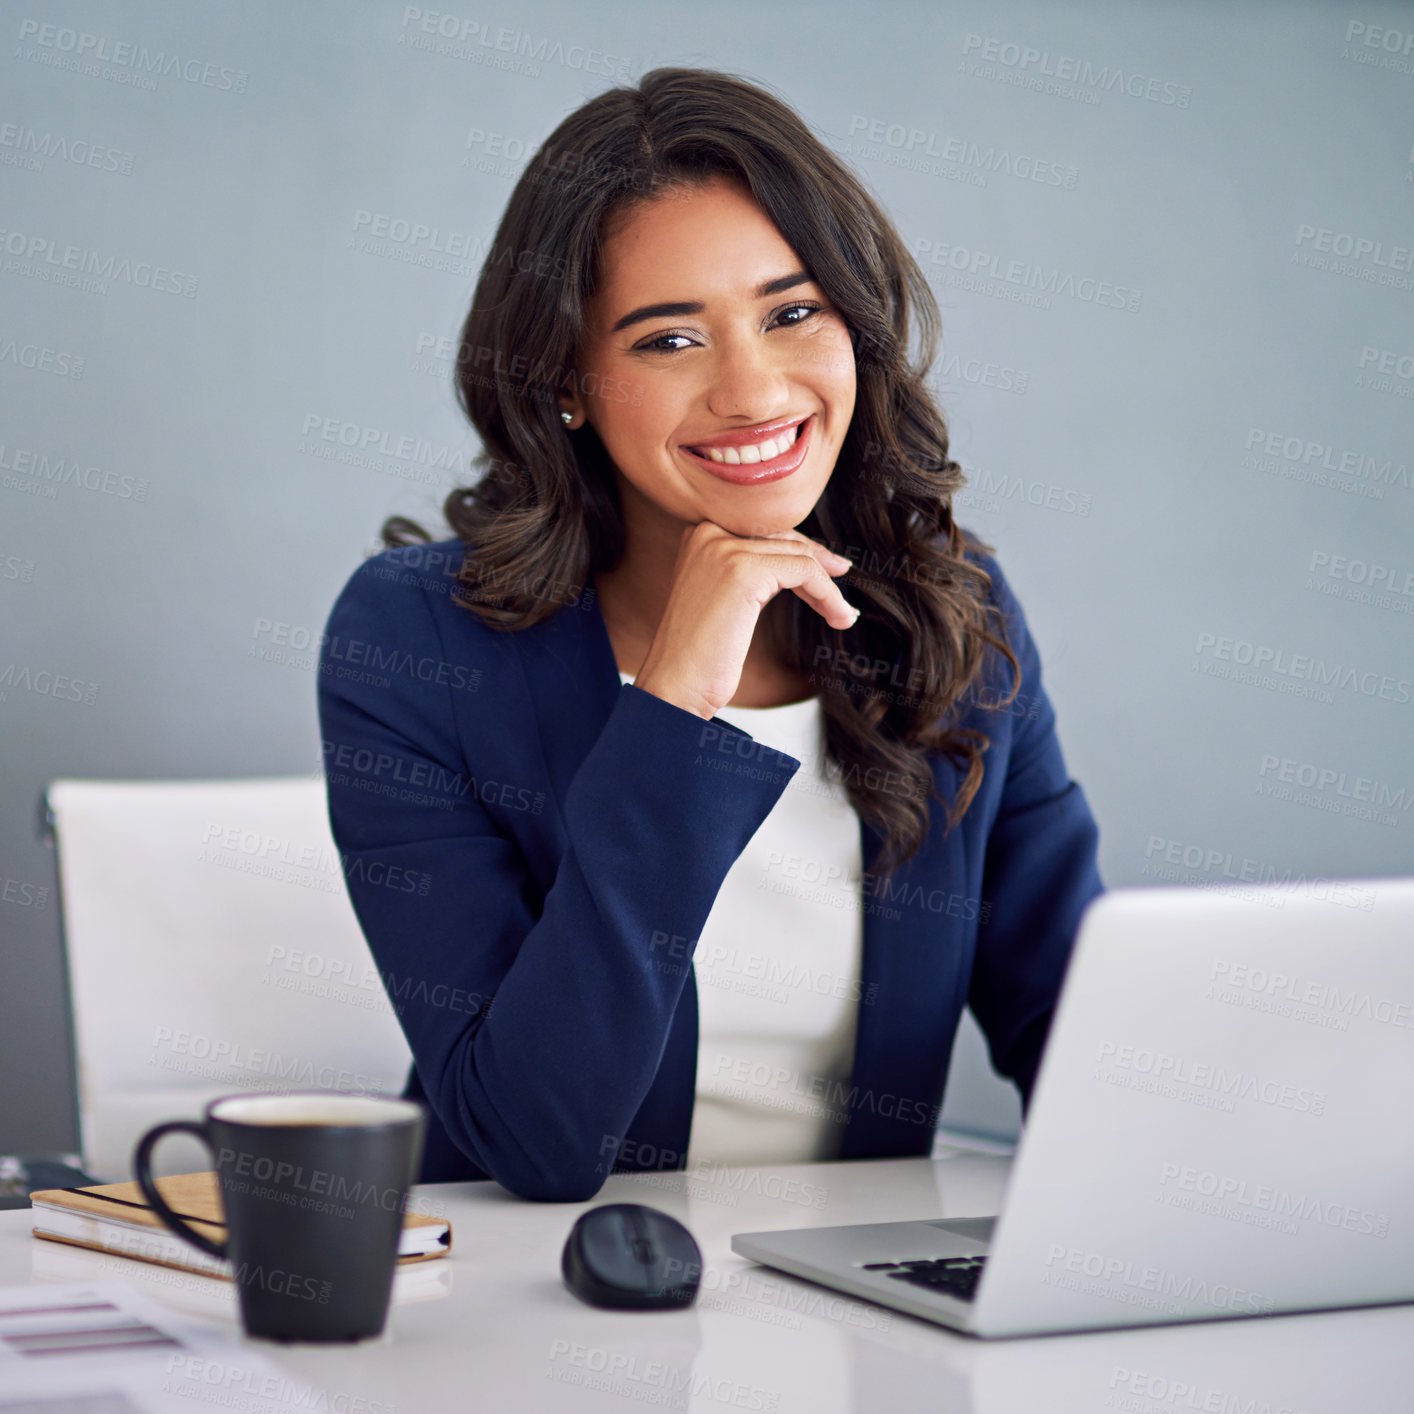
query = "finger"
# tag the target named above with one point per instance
(805, 577)
(838, 613)
(814, 546)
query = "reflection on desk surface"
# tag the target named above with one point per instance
(506, 1327)
(1321, 1363)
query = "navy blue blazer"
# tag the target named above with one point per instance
(532, 847)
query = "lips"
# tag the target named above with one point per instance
(744, 473)
(738, 440)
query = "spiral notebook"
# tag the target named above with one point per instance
(115, 1217)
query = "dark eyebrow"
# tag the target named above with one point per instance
(667, 311)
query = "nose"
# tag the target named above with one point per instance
(748, 381)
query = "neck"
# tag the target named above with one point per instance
(638, 585)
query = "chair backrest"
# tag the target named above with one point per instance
(211, 949)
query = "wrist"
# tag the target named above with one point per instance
(670, 692)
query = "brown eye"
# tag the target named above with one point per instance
(658, 344)
(809, 310)
(655, 345)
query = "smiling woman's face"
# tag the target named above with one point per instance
(761, 352)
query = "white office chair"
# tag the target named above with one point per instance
(211, 948)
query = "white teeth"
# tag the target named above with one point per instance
(759, 451)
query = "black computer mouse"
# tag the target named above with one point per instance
(628, 1255)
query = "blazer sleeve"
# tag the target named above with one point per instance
(1040, 871)
(536, 1023)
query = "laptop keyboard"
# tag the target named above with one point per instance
(950, 1276)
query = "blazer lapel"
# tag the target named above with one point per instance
(573, 680)
(914, 924)
(913, 955)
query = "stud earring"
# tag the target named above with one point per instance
(566, 416)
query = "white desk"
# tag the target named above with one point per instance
(501, 1334)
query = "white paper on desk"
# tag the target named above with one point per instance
(205, 1297)
(103, 1348)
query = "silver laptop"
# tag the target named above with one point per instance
(1221, 1127)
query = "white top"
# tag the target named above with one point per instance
(778, 965)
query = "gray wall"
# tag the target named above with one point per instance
(1171, 242)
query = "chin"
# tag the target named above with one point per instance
(760, 521)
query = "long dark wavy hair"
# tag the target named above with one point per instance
(545, 509)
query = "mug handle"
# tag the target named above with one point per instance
(142, 1164)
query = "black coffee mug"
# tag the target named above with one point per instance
(314, 1185)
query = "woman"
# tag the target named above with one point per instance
(682, 898)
